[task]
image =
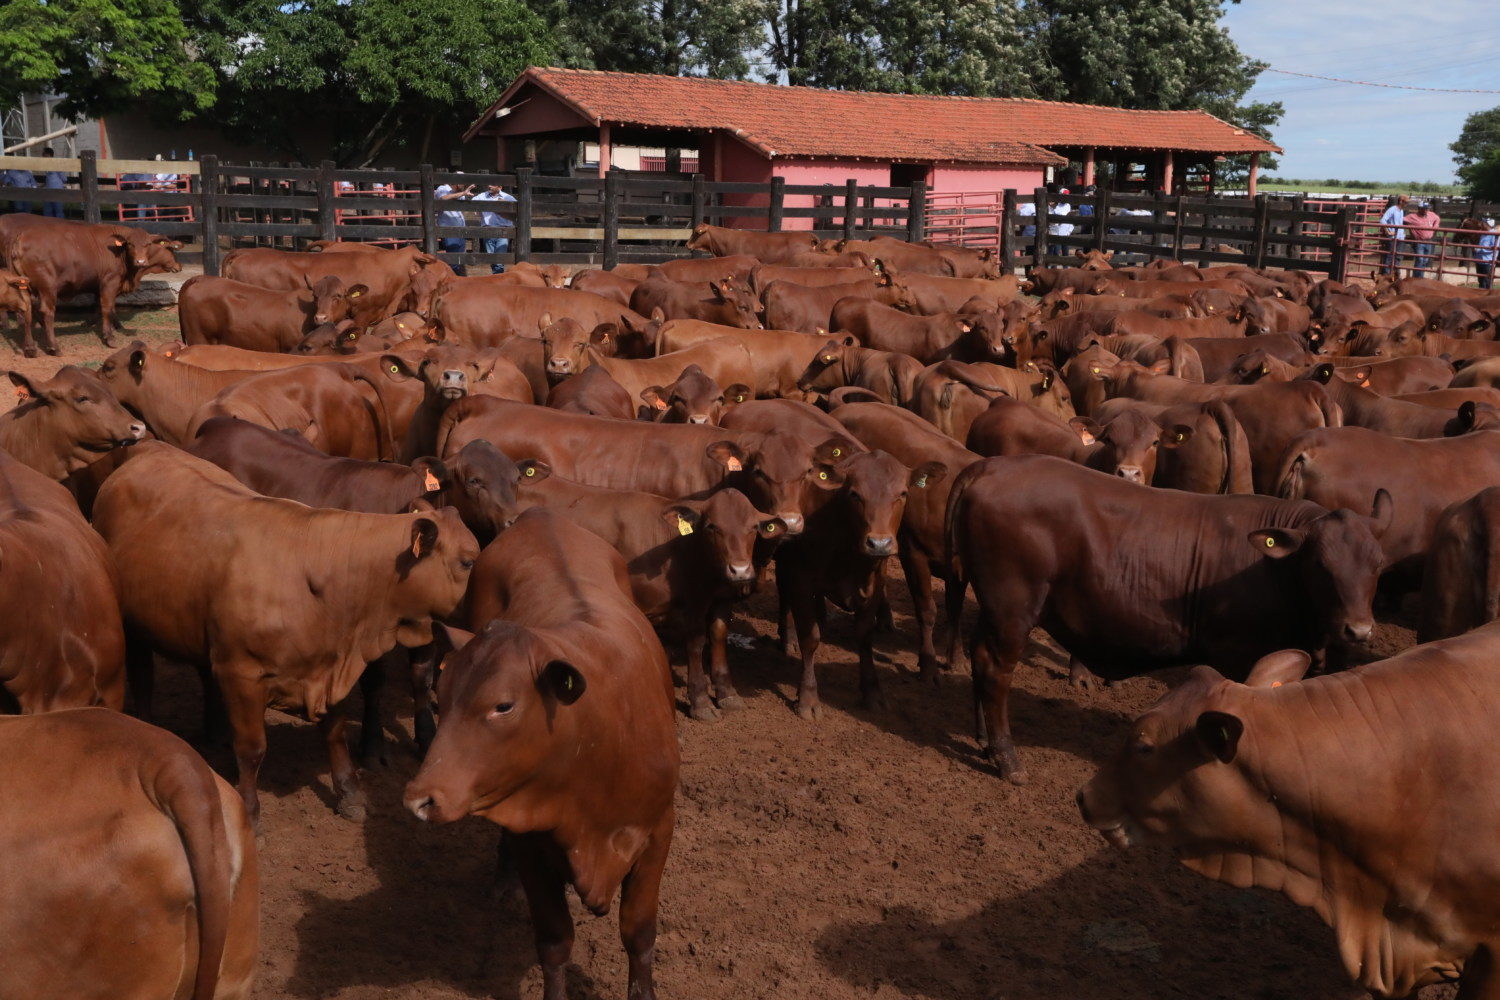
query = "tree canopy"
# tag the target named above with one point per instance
(1482, 177)
(1477, 153)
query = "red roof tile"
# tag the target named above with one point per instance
(803, 121)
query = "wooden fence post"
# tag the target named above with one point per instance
(851, 207)
(776, 213)
(427, 199)
(326, 218)
(1177, 216)
(611, 218)
(88, 181)
(1039, 248)
(1101, 217)
(1338, 262)
(699, 203)
(208, 211)
(1158, 216)
(916, 212)
(1294, 230)
(523, 213)
(1004, 233)
(1262, 228)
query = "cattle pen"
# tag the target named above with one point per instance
(645, 216)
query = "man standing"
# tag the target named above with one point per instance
(1392, 227)
(18, 178)
(55, 180)
(1420, 227)
(1485, 253)
(495, 244)
(452, 243)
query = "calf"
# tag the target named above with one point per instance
(222, 311)
(130, 873)
(558, 726)
(1247, 575)
(951, 394)
(779, 357)
(448, 373)
(724, 302)
(1125, 445)
(482, 314)
(65, 423)
(161, 390)
(1298, 785)
(593, 392)
(208, 576)
(606, 284)
(725, 361)
(388, 278)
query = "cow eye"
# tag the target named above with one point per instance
(1144, 749)
(474, 482)
(83, 399)
(504, 708)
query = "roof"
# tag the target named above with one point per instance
(804, 121)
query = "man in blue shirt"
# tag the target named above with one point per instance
(18, 178)
(1485, 253)
(495, 244)
(452, 243)
(1393, 229)
(55, 180)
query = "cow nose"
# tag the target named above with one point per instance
(697, 418)
(740, 571)
(1358, 631)
(793, 523)
(421, 806)
(880, 545)
(320, 317)
(1130, 473)
(560, 365)
(137, 431)
(451, 377)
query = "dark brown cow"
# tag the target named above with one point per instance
(1461, 574)
(388, 277)
(65, 423)
(809, 310)
(125, 826)
(891, 377)
(60, 259)
(1302, 786)
(768, 248)
(609, 285)
(671, 460)
(592, 392)
(486, 315)
(1124, 446)
(694, 398)
(222, 311)
(61, 641)
(1332, 466)
(722, 301)
(1227, 578)
(762, 276)
(1396, 376)
(245, 586)
(558, 726)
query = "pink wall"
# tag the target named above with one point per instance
(947, 179)
(835, 174)
(735, 161)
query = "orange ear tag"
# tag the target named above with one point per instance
(684, 526)
(659, 403)
(733, 464)
(1365, 384)
(1086, 437)
(1276, 684)
(430, 483)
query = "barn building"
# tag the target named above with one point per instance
(752, 132)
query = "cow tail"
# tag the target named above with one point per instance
(955, 371)
(1291, 484)
(1233, 437)
(385, 428)
(187, 792)
(957, 584)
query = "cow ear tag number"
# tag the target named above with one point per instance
(684, 526)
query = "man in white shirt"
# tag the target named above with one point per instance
(452, 243)
(1393, 228)
(495, 244)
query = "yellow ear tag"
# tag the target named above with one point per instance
(530, 471)
(822, 475)
(1181, 437)
(837, 452)
(1270, 543)
(355, 295)
(771, 529)
(684, 526)
(431, 482)
(829, 359)
(395, 369)
(733, 464)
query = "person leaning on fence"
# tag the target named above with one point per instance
(452, 244)
(1485, 253)
(18, 178)
(54, 181)
(1086, 209)
(495, 244)
(1420, 226)
(1392, 229)
(1058, 209)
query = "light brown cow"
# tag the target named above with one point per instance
(65, 423)
(130, 872)
(222, 311)
(768, 248)
(387, 276)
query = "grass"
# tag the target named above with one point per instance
(1322, 187)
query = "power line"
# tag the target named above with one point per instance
(1391, 86)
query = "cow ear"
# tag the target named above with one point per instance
(424, 536)
(737, 393)
(1323, 373)
(848, 340)
(834, 450)
(435, 476)
(137, 362)
(1219, 733)
(355, 291)
(562, 681)
(1466, 413)
(1277, 543)
(727, 454)
(543, 323)
(654, 396)
(682, 518)
(1381, 512)
(658, 315)
(604, 334)
(927, 475)
(25, 391)
(533, 471)
(396, 367)
(1275, 669)
(1087, 429)
(1162, 366)
(1178, 436)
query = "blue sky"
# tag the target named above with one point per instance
(1371, 133)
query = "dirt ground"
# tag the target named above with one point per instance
(865, 855)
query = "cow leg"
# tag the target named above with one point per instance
(807, 614)
(639, 894)
(140, 674)
(953, 602)
(350, 801)
(699, 705)
(47, 306)
(215, 719)
(918, 575)
(371, 732)
(245, 701)
(995, 657)
(865, 624)
(107, 315)
(718, 651)
(423, 663)
(546, 895)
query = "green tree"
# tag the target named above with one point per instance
(103, 54)
(676, 37)
(1482, 177)
(361, 72)
(1479, 137)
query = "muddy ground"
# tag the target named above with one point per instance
(871, 854)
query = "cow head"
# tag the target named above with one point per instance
(432, 571)
(1247, 369)
(1129, 446)
(424, 282)
(73, 418)
(447, 372)
(729, 526)
(332, 300)
(737, 304)
(1094, 260)
(823, 371)
(783, 476)
(485, 485)
(874, 487)
(329, 339)
(702, 238)
(1337, 560)
(892, 291)
(695, 398)
(565, 345)
(1260, 316)
(143, 251)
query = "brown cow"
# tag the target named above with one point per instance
(1245, 576)
(735, 268)
(221, 311)
(768, 248)
(1461, 574)
(929, 339)
(909, 258)
(61, 641)
(481, 314)
(609, 285)
(722, 301)
(15, 300)
(694, 398)
(1400, 418)
(447, 373)
(932, 294)
(949, 395)
(65, 423)
(388, 277)
(245, 586)
(558, 726)
(809, 309)
(725, 361)
(762, 276)
(1217, 354)
(890, 376)
(161, 390)
(1124, 445)
(130, 873)
(1305, 786)
(1397, 376)
(779, 357)
(592, 392)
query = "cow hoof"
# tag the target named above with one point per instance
(109, 341)
(809, 713)
(732, 703)
(30, 352)
(351, 806)
(1082, 677)
(53, 350)
(704, 713)
(1009, 766)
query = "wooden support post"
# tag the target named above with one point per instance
(699, 203)
(208, 211)
(611, 219)
(1168, 165)
(851, 207)
(326, 217)
(674, 161)
(1039, 248)
(1262, 229)
(606, 152)
(776, 211)
(88, 181)
(1254, 172)
(1294, 229)
(1005, 231)
(1179, 210)
(427, 199)
(1101, 217)
(916, 212)
(1088, 167)
(523, 213)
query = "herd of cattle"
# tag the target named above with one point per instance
(504, 489)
